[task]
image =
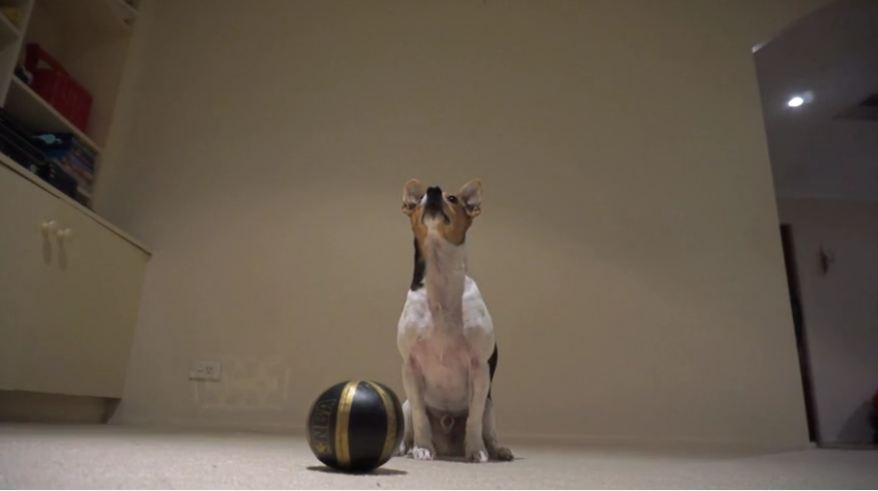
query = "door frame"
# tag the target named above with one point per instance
(789, 255)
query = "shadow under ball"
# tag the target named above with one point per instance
(355, 425)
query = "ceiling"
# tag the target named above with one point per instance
(830, 56)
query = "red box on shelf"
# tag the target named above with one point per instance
(56, 86)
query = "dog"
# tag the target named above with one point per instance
(445, 334)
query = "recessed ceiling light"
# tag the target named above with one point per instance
(796, 101)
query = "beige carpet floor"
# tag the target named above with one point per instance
(49, 456)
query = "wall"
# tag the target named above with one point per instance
(840, 309)
(628, 246)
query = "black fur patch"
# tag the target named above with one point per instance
(492, 365)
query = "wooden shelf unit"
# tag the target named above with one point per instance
(90, 39)
(105, 16)
(53, 247)
(8, 31)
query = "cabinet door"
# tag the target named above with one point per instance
(96, 292)
(26, 268)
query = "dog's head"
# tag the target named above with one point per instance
(444, 215)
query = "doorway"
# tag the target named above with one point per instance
(818, 82)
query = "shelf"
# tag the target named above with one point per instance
(126, 12)
(38, 115)
(109, 16)
(8, 31)
(85, 194)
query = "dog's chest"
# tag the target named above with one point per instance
(443, 358)
(444, 365)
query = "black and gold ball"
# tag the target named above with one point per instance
(355, 425)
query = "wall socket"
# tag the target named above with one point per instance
(206, 370)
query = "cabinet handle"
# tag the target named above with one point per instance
(65, 234)
(48, 226)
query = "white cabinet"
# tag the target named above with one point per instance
(69, 292)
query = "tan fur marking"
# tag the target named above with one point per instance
(418, 227)
(459, 222)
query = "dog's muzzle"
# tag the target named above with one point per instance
(433, 206)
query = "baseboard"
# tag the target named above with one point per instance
(665, 443)
(37, 407)
(849, 446)
(187, 424)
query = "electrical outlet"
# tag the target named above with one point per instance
(206, 370)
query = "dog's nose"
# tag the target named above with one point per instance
(434, 196)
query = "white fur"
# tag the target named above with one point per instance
(446, 336)
(444, 357)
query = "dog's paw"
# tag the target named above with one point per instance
(477, 456)
(422, 453)
(402, 450)
(503, 453)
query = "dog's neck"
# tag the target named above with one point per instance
(443, 266)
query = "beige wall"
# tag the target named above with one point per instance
(628, 247)
(840, 309)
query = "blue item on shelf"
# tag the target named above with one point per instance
(18, 144)
(76, 159)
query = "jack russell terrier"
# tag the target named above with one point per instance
(445, 334)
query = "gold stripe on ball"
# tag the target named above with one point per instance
(342, 424)
(390, 410)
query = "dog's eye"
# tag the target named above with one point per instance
(452, 199)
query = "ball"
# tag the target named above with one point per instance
(355, 425)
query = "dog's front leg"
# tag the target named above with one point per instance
(480, 382)
(412, 382)
(408, 438)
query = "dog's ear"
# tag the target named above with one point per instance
(470, 196)
(412, 193)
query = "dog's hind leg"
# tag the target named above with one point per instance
(495, 450)
(408, 438)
